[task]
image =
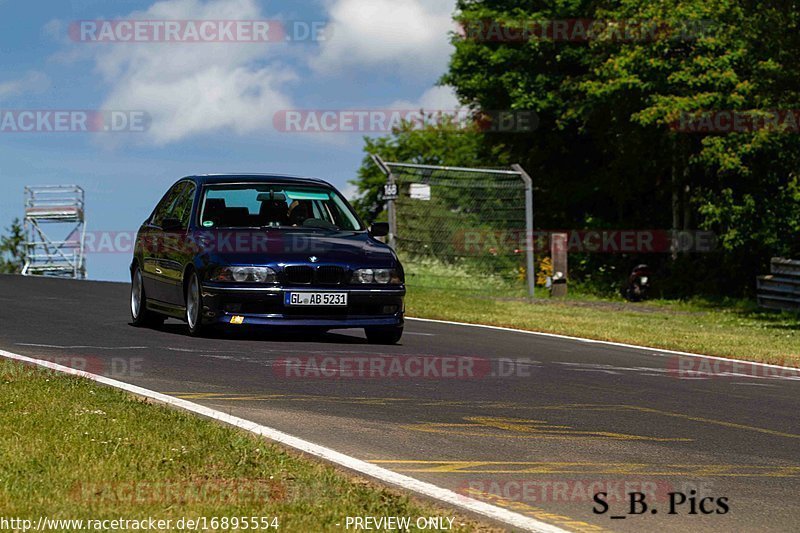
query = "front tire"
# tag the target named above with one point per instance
(194, 308)
(384, 335)
(142, 317)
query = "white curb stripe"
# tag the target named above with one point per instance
(351, 463)
(609, 343)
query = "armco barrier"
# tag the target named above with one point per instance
(781, 288)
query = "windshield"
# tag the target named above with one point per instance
(257, 205)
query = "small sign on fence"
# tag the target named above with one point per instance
(390, 191)
(420, 191)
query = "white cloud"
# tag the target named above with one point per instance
(33, 81)
(194, 88)
(191, 89)
(440, 98)
(411, 34)
(349, 191)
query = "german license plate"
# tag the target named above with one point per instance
(316, 299)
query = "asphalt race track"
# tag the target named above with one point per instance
(535, 424)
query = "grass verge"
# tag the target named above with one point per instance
(735, 329)
(73, 449)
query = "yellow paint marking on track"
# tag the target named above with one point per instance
(365, 400)
(587, 468)
(540, 514)
(196, 395)
(637, 408)
(627, 391)
(514, 428)
(727, 394)
(484, 404)
(718, 422)
(226, 397)
(453, 466)
(514, 424)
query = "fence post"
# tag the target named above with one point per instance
(558, 254)
(529, 252)
(390, 195)
(392, 212)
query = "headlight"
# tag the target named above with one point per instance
(365, 275)
(244, 274)
(381, 276)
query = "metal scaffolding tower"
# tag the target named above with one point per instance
(59, 208)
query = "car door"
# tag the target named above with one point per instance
(177, 252)
(154, 237)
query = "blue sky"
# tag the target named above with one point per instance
(211, 105)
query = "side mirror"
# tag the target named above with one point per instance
(379, 229)
(171, 224)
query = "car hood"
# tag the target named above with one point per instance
(242, 246)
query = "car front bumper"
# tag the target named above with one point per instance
(264, 306)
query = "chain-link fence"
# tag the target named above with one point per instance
(464, 229)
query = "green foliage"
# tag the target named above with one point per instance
(607, 153)
(12, 249)
(443, 144)
(741, 185)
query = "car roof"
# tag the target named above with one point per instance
(205, 179)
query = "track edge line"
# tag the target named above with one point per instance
(597, 341)
(351, 463)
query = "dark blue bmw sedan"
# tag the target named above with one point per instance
(264, 250)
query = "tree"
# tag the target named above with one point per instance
(741, 184)
(445, 143)
(615, 147)
(608, 153)
(12, 249)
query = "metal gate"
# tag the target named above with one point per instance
(467, 229)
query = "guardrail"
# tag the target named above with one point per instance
(781, 288)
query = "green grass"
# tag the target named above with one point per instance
(728, 328)
(74, 449)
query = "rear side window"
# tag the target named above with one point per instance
(182, 209)
(167, 203)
